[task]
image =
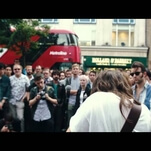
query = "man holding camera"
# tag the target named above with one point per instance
(9, 123)
(42, 101)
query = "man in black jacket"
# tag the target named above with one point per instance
(42, 101)
(60, 108)
(4, 91)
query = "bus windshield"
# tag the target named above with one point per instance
(59, 39)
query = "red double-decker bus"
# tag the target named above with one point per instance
(58, 51)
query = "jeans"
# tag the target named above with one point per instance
(70, 112)
(18, 112)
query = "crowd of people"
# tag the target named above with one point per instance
(44, 100)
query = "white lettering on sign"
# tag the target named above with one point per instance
(58, 53)
(121, 61)
(101, 61)
(3, 51)
(112, 61)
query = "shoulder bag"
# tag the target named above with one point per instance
(132, 117)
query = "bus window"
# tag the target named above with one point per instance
(73, 40)
(62, 40)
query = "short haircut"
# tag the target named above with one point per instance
(84, 77)
(55, 72)
(38, 77)
(2, 66)
(137, 64)
(76, 65)
(92, 71)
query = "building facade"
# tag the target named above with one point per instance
(109, 43)
(148, 40)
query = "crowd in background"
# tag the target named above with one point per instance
(45, 100)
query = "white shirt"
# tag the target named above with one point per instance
(81, 96)
(42, 112)
(18, 87)
(100, 113)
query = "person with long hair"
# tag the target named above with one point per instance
(108, 106)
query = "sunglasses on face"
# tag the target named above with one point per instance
(17, 69)
(136, 73)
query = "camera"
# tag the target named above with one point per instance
(42, 94)
(10, 126)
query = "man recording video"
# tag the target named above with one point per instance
(42, 101)
(10, 124)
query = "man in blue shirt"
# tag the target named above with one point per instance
(141, 88)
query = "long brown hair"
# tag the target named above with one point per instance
(117, 82)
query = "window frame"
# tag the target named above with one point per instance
(47, 20)
(123, 21)
(84, 21)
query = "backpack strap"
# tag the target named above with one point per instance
(132, 118)
(68, 81)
